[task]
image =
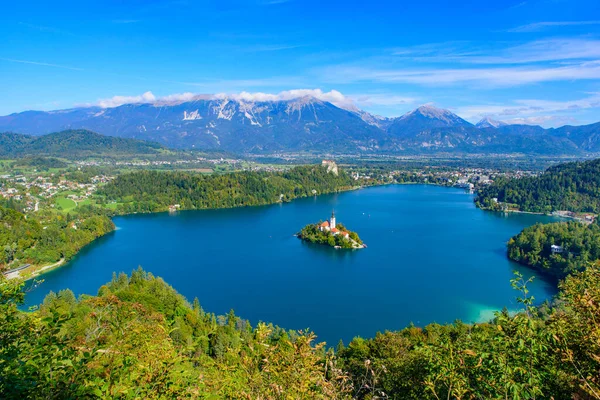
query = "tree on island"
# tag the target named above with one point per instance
(314, 234)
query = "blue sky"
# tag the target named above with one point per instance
(532, 61)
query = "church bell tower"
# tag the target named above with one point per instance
(332, 220)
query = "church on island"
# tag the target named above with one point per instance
(329, 226)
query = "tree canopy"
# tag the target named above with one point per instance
(46, 238)
(571, 186)
(577, 244)
(150, 191)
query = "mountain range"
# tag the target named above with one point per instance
(306, 124)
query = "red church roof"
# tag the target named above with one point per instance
(326, 223)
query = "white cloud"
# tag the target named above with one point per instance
(557, 49)
(497, 76)
(532, 111)
(542, 120)
(150, 98)
(542, 50)
(349, 102)
(530, 106)
(182, 97)
(116, 101)
(538, 26)
(43, 64)
(332, 96)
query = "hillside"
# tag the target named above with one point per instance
(45, 238)
(306, 124)
(151, 191)
(72, 143)
(571, 186)
(579, 245)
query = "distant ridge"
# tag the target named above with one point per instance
(73, 143)
(306, 124)
(488, 122)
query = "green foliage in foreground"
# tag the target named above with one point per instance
(311, 233)
(41, 239)
(532, 247)
(151, 191)
(140, 339)
(571, 186)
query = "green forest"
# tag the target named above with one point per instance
(151, 191)
(139, 339)
(312, 234)
(579, 244)
(46, 238)
(571, 186)
(76, 143)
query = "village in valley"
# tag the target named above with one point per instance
(56, 190)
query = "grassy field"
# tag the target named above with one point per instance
(86, 202)
(65, 204)
(112, 206)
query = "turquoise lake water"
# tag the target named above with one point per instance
(432, 256)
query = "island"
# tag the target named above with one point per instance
(332, 234)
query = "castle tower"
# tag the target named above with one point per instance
(332, 220)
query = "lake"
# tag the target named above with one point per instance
(432, 256)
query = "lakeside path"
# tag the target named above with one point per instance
(33, 271)
(558, 215)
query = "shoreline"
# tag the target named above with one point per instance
(570, 217)
(34, 271)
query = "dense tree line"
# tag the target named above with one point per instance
(139, 339)
(150, 191)
(46, 238)
(578, 243)
(571, 186)
(40, 163)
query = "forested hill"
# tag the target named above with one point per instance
(579, 245)
(571, 186)
(73, 144)
(45, 238)
(150, 191)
